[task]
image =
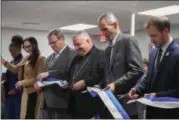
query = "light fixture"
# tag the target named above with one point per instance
(78, 27)
(30, 23)
(169, 10)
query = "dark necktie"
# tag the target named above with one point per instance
(111, 50)
(156, 65)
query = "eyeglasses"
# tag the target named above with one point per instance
(53, 42)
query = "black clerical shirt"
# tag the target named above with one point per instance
(88, 68)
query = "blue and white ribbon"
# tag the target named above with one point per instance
(159, 102)
(50, 81)
(110, 102)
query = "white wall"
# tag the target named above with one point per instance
(7, 33)
(45, 49)
(144, 40)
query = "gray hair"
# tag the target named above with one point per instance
(82, 33)
(109, 16)
(57, 32)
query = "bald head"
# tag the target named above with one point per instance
(109, 25)
(82, 42)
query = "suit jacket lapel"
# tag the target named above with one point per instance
(113, 57)
(152, 64)
(165, 58)
(120, 36)
(50, 61)
(59, 57)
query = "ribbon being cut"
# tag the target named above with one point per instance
(50, 81)
(159, 102)
(106, 96)
(110, 102)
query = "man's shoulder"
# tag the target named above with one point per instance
(127, 38)
(175, 47)
(72, 52)
(48, 57)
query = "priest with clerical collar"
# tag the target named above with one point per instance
(86, 70)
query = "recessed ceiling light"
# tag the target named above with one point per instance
(169, 10)
(78, 27)
(30, 23)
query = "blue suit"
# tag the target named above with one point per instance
(12, 102)
(166, 82)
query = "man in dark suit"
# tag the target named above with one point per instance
(86, 70)
(162, 78)
(57, 66)
(124, 64)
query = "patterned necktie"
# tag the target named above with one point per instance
(111, 52)
(53, 59)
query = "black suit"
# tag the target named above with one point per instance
(126, 67)
(90, 70)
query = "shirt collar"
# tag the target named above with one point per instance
(90, 52)
(114, 39)
(164, 47)
(56, 53)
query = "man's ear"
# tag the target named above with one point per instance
(88, 41)
(115, 25)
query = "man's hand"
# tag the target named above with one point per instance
(43, 75)
(111, 86)
(18, 84)
(132, 94)
(79, 85)
(36, 87)
(150, 94)
(12, 92)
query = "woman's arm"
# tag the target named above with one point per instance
(40, 69)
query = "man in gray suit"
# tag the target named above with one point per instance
(124, 64)
(57, 65)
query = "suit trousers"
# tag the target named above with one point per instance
(159, 113)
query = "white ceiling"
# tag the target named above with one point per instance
(55, 14)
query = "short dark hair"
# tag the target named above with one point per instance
(57, 32)
(160, 22)
(16, 41)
